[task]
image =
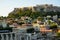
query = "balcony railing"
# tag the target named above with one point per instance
(24, 36)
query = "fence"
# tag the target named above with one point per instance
(24, 36)
(14, 36)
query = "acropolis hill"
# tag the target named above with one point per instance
(46, 8)
(35, 11)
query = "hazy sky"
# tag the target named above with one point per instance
(7, 6)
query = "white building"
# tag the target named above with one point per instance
(55, 18)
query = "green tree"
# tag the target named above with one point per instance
(54, 26)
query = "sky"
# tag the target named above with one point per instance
(6, 6)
